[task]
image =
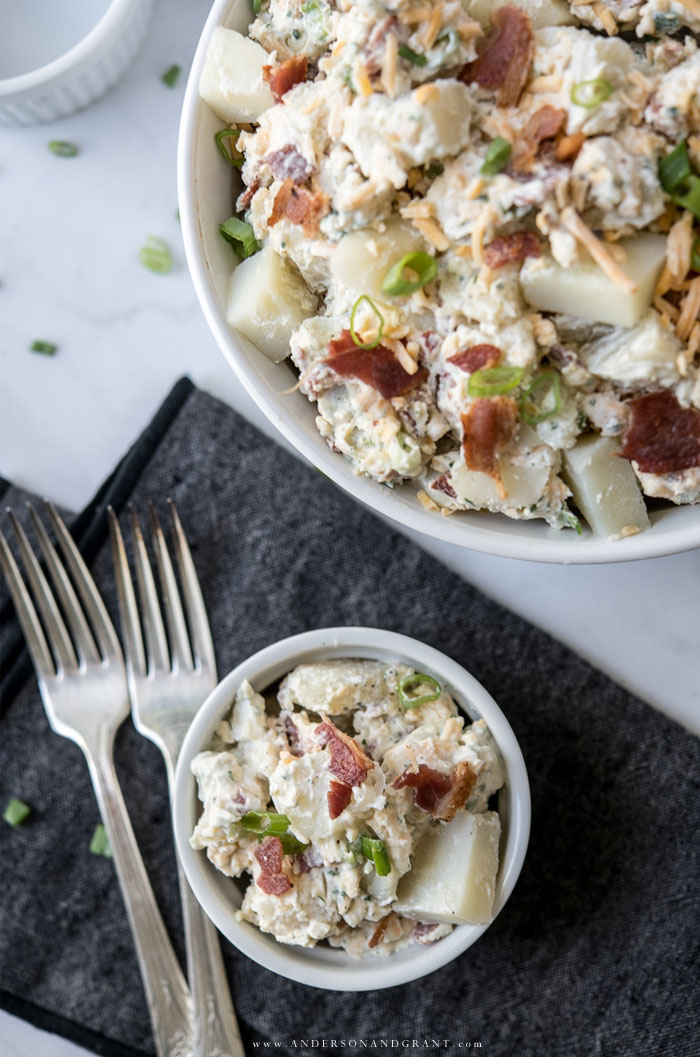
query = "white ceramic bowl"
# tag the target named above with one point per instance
(206, 199)
(57, 58)
(220, 896)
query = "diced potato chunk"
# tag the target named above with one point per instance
(542, 12)
(604, 486)
(644, 353)
(333, 687)
(523, 484)
(452, 879)
(362, 258)
(267, 301)
(585, 291)
(232, 82)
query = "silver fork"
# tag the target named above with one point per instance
(167, 686)
(84, 689)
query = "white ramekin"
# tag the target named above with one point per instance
(82, 74)
(220, 896)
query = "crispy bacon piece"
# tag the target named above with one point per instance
(281, 78)
(300, 206)
(431, 340)
(292, 734)
(422, 933)
(441, 795)
(380, 930)
(544, 124)
(246, 197)
(348, 762)
(506, 56)
(377, 367)
(269, 855)
(489, 426)
(662, 436)
(339, 796)
(514, 247)
(442, 484)
(476, 357)
(288, 163)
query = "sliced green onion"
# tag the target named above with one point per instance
(435, 168)
(290, 844)
(63, 148)
(542, 399)
(422, 264)
(380, 317)
(591, 93)
(257, 4)
(267, 822)
(493, 381)
(226, 154)
(99, 845)
(412, 56)
(496, 156)
(241, 236)
(155, 255)
(374, 849)
(674, 168)
(171, 75)
(690, 197)
(46, 348)
(666, 22)
(411, 682)
(16, 812)
(571, 521)
(695, 256)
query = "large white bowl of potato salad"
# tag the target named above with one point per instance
(452, 248)
(351, 808)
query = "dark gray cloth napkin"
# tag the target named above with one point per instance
(597, 951)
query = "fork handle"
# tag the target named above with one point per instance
(216, 1027)
(167, 994)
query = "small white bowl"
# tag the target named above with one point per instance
(221, 896)
(45, 83)
(206, 197)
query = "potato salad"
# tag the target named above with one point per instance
(473, 226)
(357, 803)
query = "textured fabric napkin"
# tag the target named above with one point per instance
(597, 951)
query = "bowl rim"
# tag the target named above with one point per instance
(588, 550)
(41, 76)
(357, 974)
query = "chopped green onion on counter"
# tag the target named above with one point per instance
(99, 845)
(494, 381)
(589, 94)
(412, 56)
(225, 151)
(155, 255)
(171, 75)
(542, 399)
(411, 682)
(62, 148)
(380, 317)
(46, 348)
(241, 236)
(419, 265)
(497, 156)
(16, 812)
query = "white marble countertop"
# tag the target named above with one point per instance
(70, 274)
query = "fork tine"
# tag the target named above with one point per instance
(203, 647)
(128, 609)
(175, 618)
(82, 636)
(26, 614)
(97, 614)
(44, 599)
(154, 632)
